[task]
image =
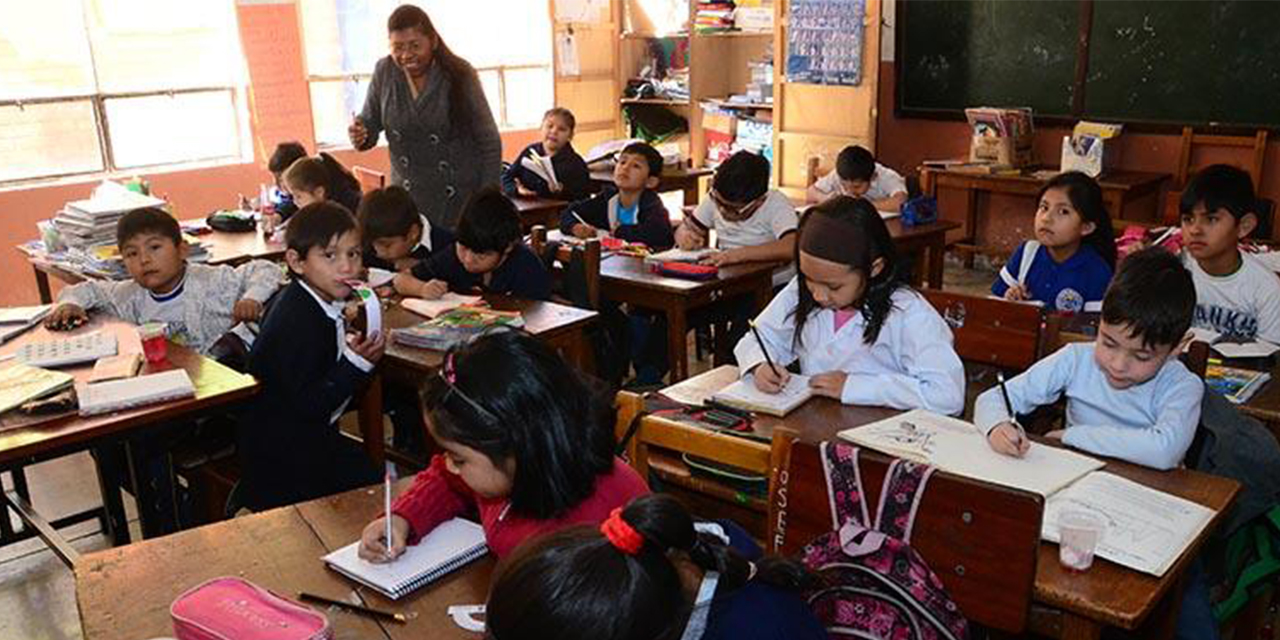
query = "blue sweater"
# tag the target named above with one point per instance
(1082, 278)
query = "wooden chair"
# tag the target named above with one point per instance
(368, 178)
(981, 539)
(812, 171)
(575, 266)
(1256, 143)
(989, 331)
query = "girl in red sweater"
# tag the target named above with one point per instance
(528, 447)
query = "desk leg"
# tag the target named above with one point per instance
(42, 285)
(971, 224)
(937, 260)
(677, 346)
(1075, 627)
(110, 463)
(151, 466)
(691, 193)
(372, 428)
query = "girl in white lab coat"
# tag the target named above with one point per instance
(860, 333)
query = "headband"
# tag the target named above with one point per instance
(621, 534)
(837, 239)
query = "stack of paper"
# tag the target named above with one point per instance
(15, 320)
(117, 395)
(83, 223)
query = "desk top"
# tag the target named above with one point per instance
(616, 268)
(215, 385)
(670, 175)
(527, 204)
(234, 248)
(1115, 179)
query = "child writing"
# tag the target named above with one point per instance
(1069, 264)
(861, 333)
(649, 572)
(550, 168)
(397, 235)
(309, 366)
(1236, 295)
(198, 303)
(488, 256)
(321, 178)
(285, 154)
(528, 443)
(858, 174)
(631, 210)
(1127, 394)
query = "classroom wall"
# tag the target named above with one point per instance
(279, 110)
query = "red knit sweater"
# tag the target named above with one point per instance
(438, 495)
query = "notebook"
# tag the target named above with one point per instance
(743, 394)
(679, 255)
(447, 548)
(125, 365)
(20, 383)
(432, 308)
(60, 352)
(23, 315)
(105, 397)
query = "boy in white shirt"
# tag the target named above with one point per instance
(858, 174)
(1236, 295)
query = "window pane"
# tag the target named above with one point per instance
(148, 45)
(58, 138)
(180, 128)
(491, 81)
(529, 95)
(344, 36)
(43, 50)
(332, 103)
(503, 32)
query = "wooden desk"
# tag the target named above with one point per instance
(279, 550)
(118, 438)
(673, 179)
(223, 247)
(927, 245)
(536, 211)
(627, 279)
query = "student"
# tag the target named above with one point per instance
(647, 573)
(488, 256)
(1236, 295)
(857, 329)
(322, 178)
(528, 444)
(631, 210)
(555, 155)
(753, 223)
(198, 303)
(1069, 264)
(397, 235)
(309, 366)
(858, 174)
(285, 154)
(1128, 396)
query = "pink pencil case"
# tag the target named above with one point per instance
(234, 609)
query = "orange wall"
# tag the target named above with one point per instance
(1004, 221)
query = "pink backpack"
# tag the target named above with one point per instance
(234, 609)
(876, 585)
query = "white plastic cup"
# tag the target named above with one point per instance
(1078, 533)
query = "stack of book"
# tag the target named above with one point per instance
(713, 16)
(85, 223)
(455, 327)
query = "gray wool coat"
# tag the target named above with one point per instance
(440, 165)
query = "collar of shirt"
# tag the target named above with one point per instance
(177, 291)
(425, 240)
(331, 309)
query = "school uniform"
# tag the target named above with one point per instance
(289, 443)
(646, 221)
(437, 495)
(1243, 306)
(567, 167)
(885, 182)
(1150, 424)
(911, 365)
(1075, 284)
(521, 275)
(432, 238)
(775, 218)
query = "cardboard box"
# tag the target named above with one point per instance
(1000, 136)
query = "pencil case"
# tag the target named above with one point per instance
(230, 608)
(687, 271)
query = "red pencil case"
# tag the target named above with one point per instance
(688, 271)
(231, 608)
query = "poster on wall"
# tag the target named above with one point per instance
(824, 42)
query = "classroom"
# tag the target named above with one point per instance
(639, 319)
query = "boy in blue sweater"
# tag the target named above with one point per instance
(631, 211)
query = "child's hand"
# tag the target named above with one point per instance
(404, 264)
(373, 545)
(1008, 439)
(1056, 434)
(724, 258)
(368, 347)
(770, 379)
(525, 191)
(1015, 293)
(584, 231)
(247, 310)
(689, 238)
(830, 384)
(357, 133)
(65, 317)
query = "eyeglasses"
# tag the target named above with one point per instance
(736, 211)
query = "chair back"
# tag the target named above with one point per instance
(989, 331)
(575, 267)
(369, 179)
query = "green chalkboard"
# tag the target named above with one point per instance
(960, 53)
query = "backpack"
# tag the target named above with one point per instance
(875, 584)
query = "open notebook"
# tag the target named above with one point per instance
(432, 308)
(744, 395)
(446, 549)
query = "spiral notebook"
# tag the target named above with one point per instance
(446, 549)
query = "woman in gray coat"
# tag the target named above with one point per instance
(444, 142)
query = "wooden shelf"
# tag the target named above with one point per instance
(642, 35)
(658, 101)
(721, 103)
(734, 34)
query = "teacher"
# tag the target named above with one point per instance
(444, 142)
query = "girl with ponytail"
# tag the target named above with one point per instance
(649, 573)
(860, 333)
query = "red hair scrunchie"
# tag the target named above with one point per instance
(621, 534)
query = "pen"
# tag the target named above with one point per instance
(386, 504)
(355, 608)
(1008, 406)
(765, 351)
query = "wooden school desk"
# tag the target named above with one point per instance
(279, 550)
(118, 439)
(223, 247)
(536, 211)
(680, 178)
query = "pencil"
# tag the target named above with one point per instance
(386, 504)
(355, 608)
(1008, 406)
(763, 349)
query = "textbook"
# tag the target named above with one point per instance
(1236, 385)
(743, 394)
(24, 315)
(117, 395)
(455, 327)
(20, 383)
(448, 547)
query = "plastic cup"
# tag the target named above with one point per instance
(154, 342)
(1079, 533)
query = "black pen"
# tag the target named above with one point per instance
(354, 608)
(765, 351)
(1008, 407)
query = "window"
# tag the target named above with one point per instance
(508, 42)
(104, 85)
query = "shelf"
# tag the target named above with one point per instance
(659, 101)
(735, 34)
(721, 103)
(642, 35)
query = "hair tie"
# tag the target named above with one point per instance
(621, 534)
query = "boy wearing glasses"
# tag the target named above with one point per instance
(630, 211)
(753, 223)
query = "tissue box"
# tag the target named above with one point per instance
(1091, 148)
